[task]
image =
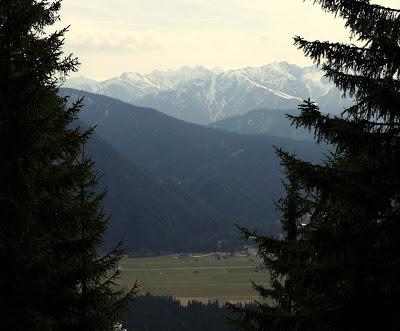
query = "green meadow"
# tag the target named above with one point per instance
(195, 277)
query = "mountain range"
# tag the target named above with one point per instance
(177, 186)
(200, 95)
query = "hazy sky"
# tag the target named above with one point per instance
(113, 36)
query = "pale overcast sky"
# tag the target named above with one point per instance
(113, 36)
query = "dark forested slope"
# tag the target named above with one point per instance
(218, 178)
(148, 215)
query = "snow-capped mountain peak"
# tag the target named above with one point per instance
(202, 95)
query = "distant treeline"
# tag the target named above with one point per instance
(151, 313)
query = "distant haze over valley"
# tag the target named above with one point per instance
(201, 95)
(177, 186)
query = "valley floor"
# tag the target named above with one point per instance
(218, 277)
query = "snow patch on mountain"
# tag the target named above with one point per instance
(278, 93)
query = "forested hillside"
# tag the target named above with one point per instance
(212, 179)
(149, 216)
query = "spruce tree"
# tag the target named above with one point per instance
(40, 277)
(345, 270)
(283, 260)
(97, 304)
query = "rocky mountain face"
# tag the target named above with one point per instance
(200, 95)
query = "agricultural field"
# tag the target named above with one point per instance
(199, 277)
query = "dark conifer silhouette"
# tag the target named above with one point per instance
(338, 265)
(41, 277)
(98, 302)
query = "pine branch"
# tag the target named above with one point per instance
(365, 19)
(379, 60)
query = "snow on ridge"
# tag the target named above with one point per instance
(277, 93)
(171, 79)
(287, 96)
(215, 92)
(314, 80)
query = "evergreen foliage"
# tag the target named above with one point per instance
(98, 303)
(40, 177)
(338, 265)
(150, 313)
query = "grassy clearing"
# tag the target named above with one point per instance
(195, 278)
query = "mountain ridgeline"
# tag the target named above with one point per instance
(175, 186)
(199, 95)
(272, 122)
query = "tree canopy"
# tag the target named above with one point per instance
(41, 177)
(337, 265)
